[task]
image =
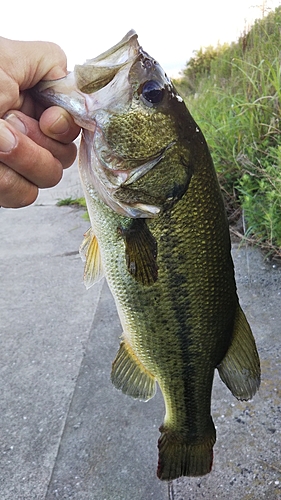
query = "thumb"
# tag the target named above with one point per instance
(29, 62)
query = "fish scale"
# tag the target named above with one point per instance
(159, 321)
(159, 234)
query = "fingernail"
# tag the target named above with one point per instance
(7, 139)
(16, 122)
(60, 126)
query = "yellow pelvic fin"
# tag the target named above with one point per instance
(89, 251)
(141, 252)
(129, 374)
(240, 368)
(179, 457)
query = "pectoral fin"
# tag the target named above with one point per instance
(89, 251)
(129, 374)
(240, 368)
(141, 252)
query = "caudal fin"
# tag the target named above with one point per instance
(178, 458)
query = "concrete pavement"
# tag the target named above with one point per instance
(65, 432)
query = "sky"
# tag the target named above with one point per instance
(170, 30)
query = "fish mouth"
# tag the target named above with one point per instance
(96, 73)
(96, 90)
(88, 89)
(106, 82)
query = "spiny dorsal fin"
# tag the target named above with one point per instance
(141, 252)
(89, 251)
(240, 368)
(129, 374)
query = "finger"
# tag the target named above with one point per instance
(30, 160)
(58, 124)
(29, 62)
(15, 190)
(65, 153)
(23, 65)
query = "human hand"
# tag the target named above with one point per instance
(35, 144)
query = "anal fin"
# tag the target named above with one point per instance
(130, 376)
(240, 368)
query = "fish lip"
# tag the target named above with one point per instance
(68, 93)
(130, 38)
(95, 74)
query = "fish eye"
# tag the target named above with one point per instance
(152, 92)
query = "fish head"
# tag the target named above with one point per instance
(134, 154)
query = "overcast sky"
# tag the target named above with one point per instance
(169, 31)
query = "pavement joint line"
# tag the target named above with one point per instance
(50, 482)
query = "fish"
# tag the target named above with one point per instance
(160, 236)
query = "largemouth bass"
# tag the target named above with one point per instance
(159, 234)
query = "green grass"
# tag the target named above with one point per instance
(234, 93)
(75, 202)
(78, 202)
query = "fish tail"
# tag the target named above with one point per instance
(178, 457)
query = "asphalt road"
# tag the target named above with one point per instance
(65, 432)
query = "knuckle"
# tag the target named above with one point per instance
(54, 180)
(7, 179)
(70, 155)
(57, 50)
(51, 171)
(15, 191)
(10, 97)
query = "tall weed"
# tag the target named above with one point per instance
(236, 98)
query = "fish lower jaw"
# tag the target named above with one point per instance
(98, 191)
(141, 210)
(136, 211)
(133, 211)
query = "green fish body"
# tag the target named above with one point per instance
(159, 235)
